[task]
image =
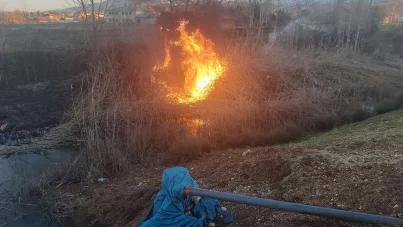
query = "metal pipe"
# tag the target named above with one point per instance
(295, 207)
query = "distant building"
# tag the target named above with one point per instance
(47, 17)
(121, 14)
(82, 15)
(390, 20)
(394, 13)
(69, 17)
(146, 19)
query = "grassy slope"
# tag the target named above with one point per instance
(356, 167)
(378, 128)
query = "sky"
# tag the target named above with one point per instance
(33, 5)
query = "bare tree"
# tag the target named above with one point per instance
(94, 21)
(359, 14)
(171, 4)
(81, 5)
(3, 35)
(90, 13)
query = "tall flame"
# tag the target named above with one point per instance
(167, 60)
(201, 65)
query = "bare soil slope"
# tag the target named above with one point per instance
(357, 167)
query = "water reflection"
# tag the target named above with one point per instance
(17, 206)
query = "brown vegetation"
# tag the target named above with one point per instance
(266, 97)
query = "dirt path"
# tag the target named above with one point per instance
(358, 167)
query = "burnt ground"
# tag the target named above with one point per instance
(357, 167)
(29, 111)
(38, 64)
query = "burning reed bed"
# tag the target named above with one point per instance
(266, 95)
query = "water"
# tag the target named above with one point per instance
(17, 207)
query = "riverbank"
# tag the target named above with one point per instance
(33, 148)
(356, 167)
(19, 174)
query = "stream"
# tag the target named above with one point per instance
(17, 206)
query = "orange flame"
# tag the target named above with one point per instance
(167, 60)
(201, 65)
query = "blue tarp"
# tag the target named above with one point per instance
(171, 202)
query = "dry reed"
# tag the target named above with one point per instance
(269, 94)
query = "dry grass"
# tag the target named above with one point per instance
(186, 149)
(369, 133)
(307, 89)
(119, 114)
(386, 105)
(111, 120)
(52, 202)
(268, 95)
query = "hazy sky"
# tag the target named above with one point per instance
(33, 5)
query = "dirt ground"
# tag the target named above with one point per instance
(357, 167)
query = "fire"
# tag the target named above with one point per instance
(167, 60)
(201, 65)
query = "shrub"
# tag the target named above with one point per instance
(325, 122)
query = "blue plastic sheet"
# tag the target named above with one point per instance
(171, 202)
